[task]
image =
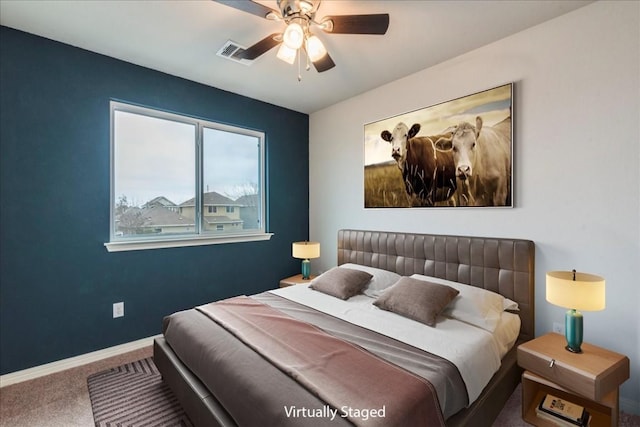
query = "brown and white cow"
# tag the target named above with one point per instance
(482, 160)
(398, 139)
(428, 174)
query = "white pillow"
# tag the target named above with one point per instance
(381, 280)
(507, 304)
(477, 306)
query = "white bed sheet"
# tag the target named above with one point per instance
(474, 351)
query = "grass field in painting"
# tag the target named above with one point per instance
(383, 187)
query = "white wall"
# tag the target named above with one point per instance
(576, 165)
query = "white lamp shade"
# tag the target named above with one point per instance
(293, 36)
(315, 48)
(287, 54)
(305, 250)
(586, 292)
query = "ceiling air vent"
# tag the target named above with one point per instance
(230, 49)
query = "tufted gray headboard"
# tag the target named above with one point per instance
(505, 266)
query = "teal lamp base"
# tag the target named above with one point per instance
(306, 269)
(573, 331)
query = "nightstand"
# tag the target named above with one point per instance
(295, 280)
(590, 379)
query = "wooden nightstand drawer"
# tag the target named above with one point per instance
(592, 373)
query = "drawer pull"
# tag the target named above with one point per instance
(553, 362)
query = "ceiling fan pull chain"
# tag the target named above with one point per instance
(299, 66)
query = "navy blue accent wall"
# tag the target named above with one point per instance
(58, 282)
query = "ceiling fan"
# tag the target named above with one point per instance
(297, 38)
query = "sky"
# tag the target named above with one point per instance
(492, 105)
(157, 157)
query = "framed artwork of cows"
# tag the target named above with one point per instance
(457, 153)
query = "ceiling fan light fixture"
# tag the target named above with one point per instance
(326, 25)
(306, 6)
(297, 43)
(315, 48)
(293, 36)
(287, 54)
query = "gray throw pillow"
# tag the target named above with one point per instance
(341, 282)
(417, 299)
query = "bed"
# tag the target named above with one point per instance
(504, 266)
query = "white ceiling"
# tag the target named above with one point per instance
(182, 37)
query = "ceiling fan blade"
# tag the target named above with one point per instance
(249, 7)
(356, 24)
(264, 45)
(323, 64)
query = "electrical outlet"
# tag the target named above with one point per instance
(558, 328)
(118, 309)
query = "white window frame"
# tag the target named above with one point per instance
(116, 244)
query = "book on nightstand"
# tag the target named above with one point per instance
(562, 412)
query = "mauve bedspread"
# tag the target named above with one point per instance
(256, 392)
(333, 369)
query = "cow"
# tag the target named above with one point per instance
(482, 160)
(398, 139)
(428, 174)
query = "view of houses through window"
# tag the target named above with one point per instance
(162, 216)
(174, 175)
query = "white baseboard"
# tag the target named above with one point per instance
(72, 362)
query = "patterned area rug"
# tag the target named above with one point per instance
(134, 395)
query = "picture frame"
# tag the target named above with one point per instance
(458, 153)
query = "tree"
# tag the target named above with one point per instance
(129, 219)
(121, 205)
(241, 190)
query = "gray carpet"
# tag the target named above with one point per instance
(134, 395)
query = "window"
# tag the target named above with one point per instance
(180, 181)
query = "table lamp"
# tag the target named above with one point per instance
(575, 291)
(306, 251)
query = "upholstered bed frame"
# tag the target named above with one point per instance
(505, 266)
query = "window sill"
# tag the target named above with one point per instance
(137, 245)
